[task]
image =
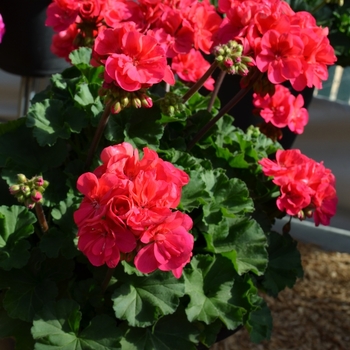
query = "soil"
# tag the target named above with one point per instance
(314, 315)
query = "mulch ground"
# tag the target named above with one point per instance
(315, 314)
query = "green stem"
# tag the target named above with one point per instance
(196, 86)
(218, 84)
(318, 7)
(107, 279)
(41, 217)
(223, 111)
(97, 137)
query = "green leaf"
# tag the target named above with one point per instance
(62, 239)
(57, 189)
(209, 282)
(11, 125)
(194, 193)
(26, 155)
(138, 126)
(260, 323)
(242, 241)
(57, 325)
(80, 56)
(230, 196)
(16, 223)
(170, 332)
(34, 285)
(84, 96)
(18, 330)
(284, 265)
(142, 300)
(51, 120)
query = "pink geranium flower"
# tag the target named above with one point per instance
(134, 60)
(307, 187)
(282, 109)
(103, 240)
(281, 56)
(2, 28)
(191, 67)
(168, 246)
(61, 17)
(98, 192)
(128, 207)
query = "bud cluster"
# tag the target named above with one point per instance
(171, 104)
(29, 191)
(231, 60)
(120, 99)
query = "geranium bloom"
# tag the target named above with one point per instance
(280, 55)
(63, 42)
(98, 192)
(168, 246)
(2, 28)
(307, 187)
(134, 60)
(282, 109)
(205, 22)
(61, 16)
(191, 67)
(103, 240)
(128, 207)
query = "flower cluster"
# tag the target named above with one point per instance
(29, 191)
(282, 109)
(2, 28)
(287, 45)
(307, 187)
(140, 35)
(128, 212)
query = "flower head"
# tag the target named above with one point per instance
(2, 28)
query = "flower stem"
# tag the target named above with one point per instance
(218, 84)
(195, 87)
(318, 7)
(97, 137)
(41, 217)
(107, 279)
(224, 110)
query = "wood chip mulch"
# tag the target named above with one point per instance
(314, 315)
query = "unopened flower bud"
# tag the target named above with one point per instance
(25, 190)
(39, 181)
(116, 108)
(29, 204)
(146, 101)
(36, 196)
(228, 62)
(14, 189)
(21, 178)
(136, 102)
(124, 101)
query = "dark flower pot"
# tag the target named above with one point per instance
(25, 48)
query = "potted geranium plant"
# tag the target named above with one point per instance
(138, 217)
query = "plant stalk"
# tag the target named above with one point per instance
(97, 137)
(41, 217)
(218, 84)
(318, 7)
(223, 111)
(107, 279)
(196, 86)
